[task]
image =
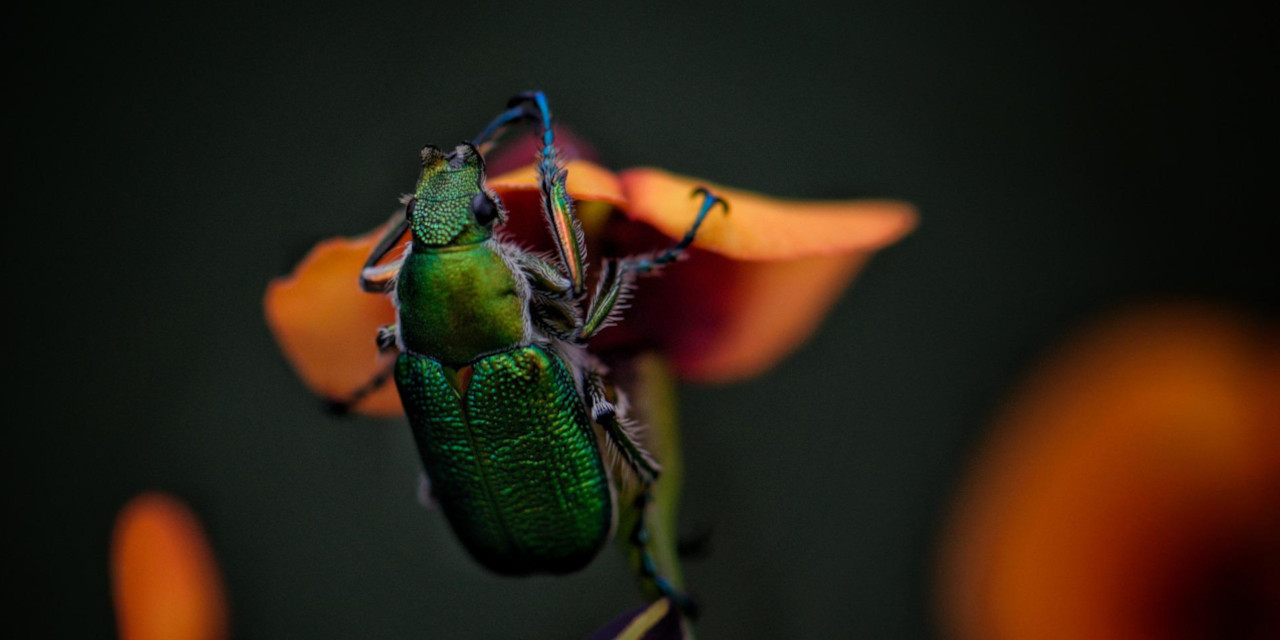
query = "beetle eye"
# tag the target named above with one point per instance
(483, 208)
(408, 208)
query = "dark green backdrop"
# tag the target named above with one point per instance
(166, 161)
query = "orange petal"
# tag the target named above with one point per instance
(164, 578)
(327, 326)
(760, 227)
(1130, 491)
(758, 280)
(720, 320)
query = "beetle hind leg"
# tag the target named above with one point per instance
(619, 432)
(621, 436)
(648, 566)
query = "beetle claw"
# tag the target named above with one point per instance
(711, 195)
(527, 101)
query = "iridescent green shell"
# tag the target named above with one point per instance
(458, 303)
(513, 459)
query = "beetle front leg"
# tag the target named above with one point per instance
(376, 278)
(522, 106)
(613, 288)
(557, 206)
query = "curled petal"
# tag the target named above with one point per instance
(327, 326)
(1129, 491)
(164, 578)
(757, 281)
(756, 286)
(762, 228)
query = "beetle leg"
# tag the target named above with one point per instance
(649, 567)
(543, 276)
(375, 278)
(613, 289)
(522, 106)
(386, 339)
(554, 317)
(342, 406)
(620, 434)
(612, 292)
(557, 206)
(648, 263)
(619, 431)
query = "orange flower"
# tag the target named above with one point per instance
(1130, 491)
(754, 286)
(164, 578)
(166, 585)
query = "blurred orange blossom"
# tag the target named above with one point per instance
(164, 578)
(1131, 491)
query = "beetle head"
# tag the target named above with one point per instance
(451, 204)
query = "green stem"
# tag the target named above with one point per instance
(650, 386)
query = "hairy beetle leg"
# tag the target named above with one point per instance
(649, 567)
(619, 431)
(618, 275)
(386, 339)
(610, 299)
(557, 206)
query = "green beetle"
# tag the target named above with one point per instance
(504, 399)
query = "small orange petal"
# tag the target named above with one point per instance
(1129, 491)
(327, 326)
(758, 280)
(164, 578)
(759, 227)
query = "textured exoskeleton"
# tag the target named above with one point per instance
(507, 406)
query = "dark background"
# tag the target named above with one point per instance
(166, 161)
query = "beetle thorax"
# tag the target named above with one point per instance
(458, 303)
